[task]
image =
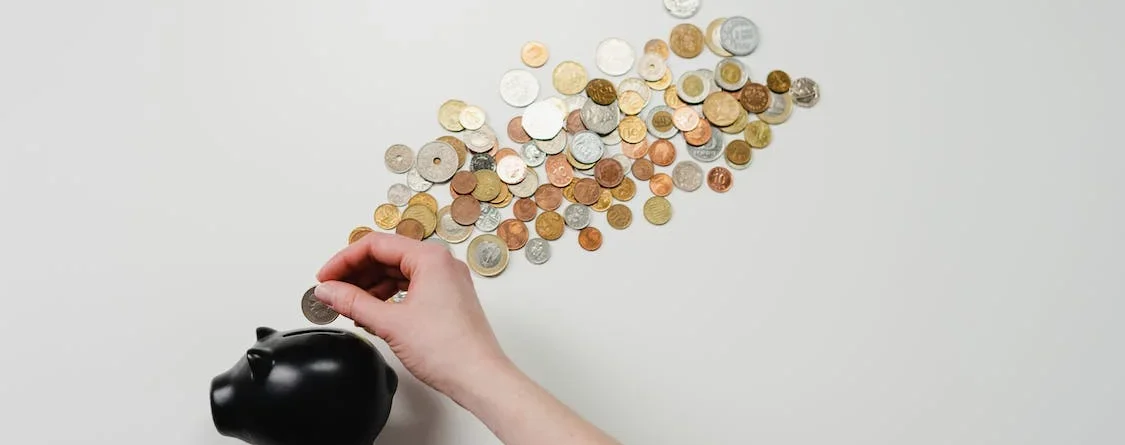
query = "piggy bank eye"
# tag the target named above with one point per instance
(261, 362)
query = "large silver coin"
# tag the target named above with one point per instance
(437, 161)
(554, 145)
(537, 250)
(601, 119)
(482, 161)
(739, 35)
(448, 229)
(519, 88)
(398, 194)
(489, 218)
(532, 155)
(315, 311)
(666, 134)
(481, 140)
(399, 158)
(614, 56)
(543, 120)
(527, 187)
(731, 64)
(806, 92)
(577, 216)
(416, 182)
(687, 176)
(587, 147)
(682, 9)
(710, 150)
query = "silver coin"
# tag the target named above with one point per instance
(543, 120)
(781, 107)
(472, 117)
(710, 150)
(481, 140)
(614, 56)
(416, 182)
(437, 161)
(315, 311)
(527, 187)
(651, 67)
(806, 92)
(448, 229)
(666, 134)
(531, 154)
(687, 176)
(554, 145)
(577, 216)
(489, 253)
(575, 102)
(589, 172)
(625, 161)
(537, 250)
(613, 138)
(398, 194)
(519, 88)
(489, 218)
(688, 77)
(399, 158)
(601, 119)
(511, 169)
(739, 35)
(635, 84)
(732, 64)
(399, 297)
(682, 9)
(482, 161)
(587, 147)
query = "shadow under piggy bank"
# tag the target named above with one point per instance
(302, 387)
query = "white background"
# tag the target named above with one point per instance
(931, 255)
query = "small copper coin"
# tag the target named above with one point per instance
(574, 122)
(738, 152)
(465, 210)
(534, 54)
(549, 225)
(700, 135)
(778, 81)
(601, 91)
(524, 209)
(619, 216)
(662, 153)
(463, 182)
(516, 132)
(755, 97)
(643, 169)
(720, 179)
(358, 233)
(411, 228)
(608, 172)
(657, 47)
(548, 197)
(513, 232)
(635, 151)
(559, 171)
(590, 238)
(587, 191)
(660, 184)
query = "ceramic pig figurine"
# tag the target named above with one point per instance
(313, 386)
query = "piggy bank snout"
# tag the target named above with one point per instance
(223, 405)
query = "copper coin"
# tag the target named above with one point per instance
(453, 193)
(601, 91)
(516, 132)
(719, 179)
(548, 197)
(559, 171)
(465, 210)
(411, 228)
(635, 151)
(660, 184)
(608, 172)
(574, 122)
(503, 153)
(463, 182)
(513, 232)
(738, 152)
(700, 135)
(587, 191)
(778, 81)
(549, 225)
(755, 97)
(524, 209)
(662, 152)
(643, 169)
(590, 238)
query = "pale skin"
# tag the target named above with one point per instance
(441, 335)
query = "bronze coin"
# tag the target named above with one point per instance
(700, 135)
(513, 232)
(643, 169)
(590, 238)
(635, 151)
(662, 152)
(587, 191)
(738, 152)
(358, 233)
(459, 147)
(601, 91)
(465, 210)
(608, 172)
(660, 184)
(574, 122)
(516, 132)
(686, 40)
(619, 216)
(720, 179)
(755, 97)
(559, 171)
(658, 47)
(778, 81)
(411, 228)
(549, 225)
(624, 191)
(548, 197)
(463, 182)
(568, 191)
(524, 209)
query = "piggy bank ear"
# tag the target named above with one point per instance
(261, 362)
(264, 332)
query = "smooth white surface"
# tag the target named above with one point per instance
(931, 255)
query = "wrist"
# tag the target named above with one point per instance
(476, 382)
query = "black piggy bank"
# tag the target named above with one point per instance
(314, 386)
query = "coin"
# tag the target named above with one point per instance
(425, 199)
(577, 216)
(514, 233)
(630, 103)
(482, 161)
(543, 120)
(758, 134)
(422, 214)
(682, 9)
(516, 132)
(739, 124)
(481, 140)
(559, 171)
(569, 77)
(534, 54)
(449, 229)
(608, 172)
(465, 210)
(411, 228)
(624, 191)
(358, 233)
(613, 138)
(687, 176)
(449, 114)
(721, 109)
(601, 119)
(700, 135)
(464, 182)
(568, 191)
(590, 238)
(525, 209)
(605, 199)
(636, 85)
(487, 255)
(672, 97)
(651, 67)
(643, 169)
(739, 36)
(738, 152)
(502, 201)
(660, 184)
(574, 122)
(549, 225)
(315, 311)
(398, 194)
(712, 38)
(658, 47)
(755, 97)
(416, 182)
(548, 197)
(778, 81)
(601, 91)
(663, 83)
(472, 117)
(537, 251)
(781, 107)
(458, 146)
(619, 216)
(685, 119)
(806, 92)
(686, 40)
(658, 210)
(488, 185)
(662, 153)
(587, 147)
(720, 179)
(692, 87)
(614, 56)
(631, 129)
(578, 166)
(709, 151)
(586, 191)
(518, 88)
(399, 158)
(437, 161)
(489, 218)
(731, 74)
(625, 161)
(511, 169)
(635, 151)
(527, 187)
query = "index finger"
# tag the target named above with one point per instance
(374, 250)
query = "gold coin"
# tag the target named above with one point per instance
(506, 199)
(631, 103)
(505, 193)
(422, 214)
(739, 125)
(458, 146)
(712, 30)
(568, 191)
(624, 191)
(778, 81)
(358, 233)
(549, 225)
(424, 199)
(686, 40)
(386, 216)
(772, 117)
(663, 83)
(731, 73)
(662, 121)
(605, 199)
(658, 210)
(758, 134)
(738, 152)
(487, 255)
(488, 185)
(632, 129)
(720, 108)
(569, 77)
(658, 47)
(619, 216)
(601, 91)
(534, 54)
(672, 98)
(449, 114)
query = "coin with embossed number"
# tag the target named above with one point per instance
(315, 311)
(488, 255)
(739, 35)
(537, 251)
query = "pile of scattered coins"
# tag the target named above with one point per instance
(569, 137)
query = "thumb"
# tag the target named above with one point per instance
(356, 304)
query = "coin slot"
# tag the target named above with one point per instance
(313, 331)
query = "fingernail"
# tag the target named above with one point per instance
(326, 291)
